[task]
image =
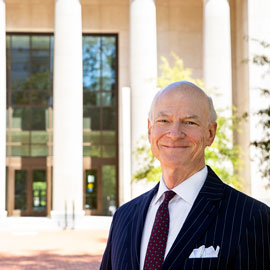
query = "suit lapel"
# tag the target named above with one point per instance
(203, 211)
(137, 225)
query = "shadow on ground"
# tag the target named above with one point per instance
(46, 260)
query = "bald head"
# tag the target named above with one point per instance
(185, 88)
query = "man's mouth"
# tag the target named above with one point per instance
(175, 146)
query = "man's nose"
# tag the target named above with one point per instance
(176, 131)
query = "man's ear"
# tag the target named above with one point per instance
(149, 129)
(212, 128)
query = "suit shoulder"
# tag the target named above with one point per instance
(232, 195)
(132, 203)
(245, 201)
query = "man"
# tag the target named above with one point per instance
(191, 219)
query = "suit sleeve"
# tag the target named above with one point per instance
(106, 263)
(254, 248)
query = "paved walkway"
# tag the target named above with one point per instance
(34, 247)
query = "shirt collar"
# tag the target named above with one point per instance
(188, 190)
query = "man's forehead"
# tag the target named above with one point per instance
(185, 95)
(181, 91)
(175, 98)
(171, 101)
(174, 94)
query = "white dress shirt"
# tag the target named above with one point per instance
(179, 208)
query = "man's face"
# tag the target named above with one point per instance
(180, 130)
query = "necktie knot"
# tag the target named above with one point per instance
(169, 195)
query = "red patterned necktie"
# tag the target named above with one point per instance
(159, 235)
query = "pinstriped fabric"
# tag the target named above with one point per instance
(122, 251)
(257, 231)
(213, 238)
(233, 224)
(228, 208)
(202, 213)
(220, 216)
(123, 265)
(236, 252)
(138, 224)
(187, 237)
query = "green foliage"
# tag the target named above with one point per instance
(174, 73)
(264, 143)
(148, 168)
(223, 156)
(40, 81)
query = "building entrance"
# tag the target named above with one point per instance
(100, 193)
(28, 190)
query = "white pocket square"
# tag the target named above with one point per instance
(203, 252)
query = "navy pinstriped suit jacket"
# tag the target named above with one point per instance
(221, 216)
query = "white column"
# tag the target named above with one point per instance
(259, 77)
(143, 65)
(2, 109)
(217, 52)
(68, 114)
(125, 145)
(241, 86)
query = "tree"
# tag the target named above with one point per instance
(223, 156)
(263, 144)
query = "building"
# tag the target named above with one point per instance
(77, 87)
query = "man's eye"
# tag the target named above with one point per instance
(163, 121)
(190, 123)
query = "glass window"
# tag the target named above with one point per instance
(29, 92)
(91, 98)
(41, 98)
(20, 97)
(21, 118)
(20, 73)
(20, 42)
(20, 151)
(100, 115)
(108, 151)
(99, 95)
(21, 136)
(93, 137)
(39, 150)
(7, 42)
(40, 55)
(91, 62)
(20, 46)
(37, 68)
(108, 99)
(108, 137)
(92, 151)
(90, 189)
(108, 119)
(30, 100)
(39, 137)
(108, 63)
(38, 118)
(41, 42)
(91, 118)
(19, 60)
(20, 189)
(39, 190)
(109, 189)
